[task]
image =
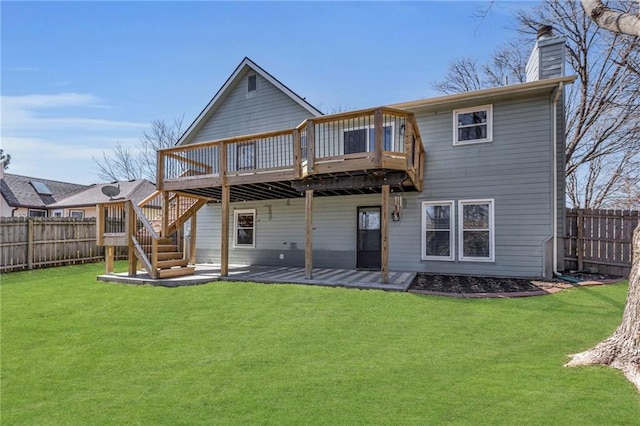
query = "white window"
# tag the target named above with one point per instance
(244, 228)
(437, 230)
(78, 214)
(476, 233)
(37, 213)
(473, 125)
(57, 213)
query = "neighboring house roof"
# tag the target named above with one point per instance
(226, 88)
(31, 192)
(486, 94)
(134, 190)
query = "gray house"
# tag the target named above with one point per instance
(471, 183)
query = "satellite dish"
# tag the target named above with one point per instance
(110, 191)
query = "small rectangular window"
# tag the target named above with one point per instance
(244, 227)
(437, 230)
(473, 125)
(252, 83)
(37, 213)
(77, 214)
(477, 233)
(58, 213)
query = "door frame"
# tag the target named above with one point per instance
(379, 258)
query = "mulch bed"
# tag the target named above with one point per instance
(465, 284)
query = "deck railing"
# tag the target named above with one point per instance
(360, 140)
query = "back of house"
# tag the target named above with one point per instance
(482, 194)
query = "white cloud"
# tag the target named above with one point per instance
(25, 113)
(55, 136)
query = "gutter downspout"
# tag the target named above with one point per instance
(556, 97)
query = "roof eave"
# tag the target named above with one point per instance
(478, 95)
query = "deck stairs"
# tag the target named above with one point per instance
(158, 239)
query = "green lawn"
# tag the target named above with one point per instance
(76, 351)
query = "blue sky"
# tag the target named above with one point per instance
(78, 77)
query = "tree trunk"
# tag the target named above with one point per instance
(612, 20)
(622, 349)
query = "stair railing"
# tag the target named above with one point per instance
(145, 241)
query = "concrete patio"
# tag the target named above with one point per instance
(207, 273)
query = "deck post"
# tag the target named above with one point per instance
(130, 229)
(222, 155)
(308, 248)
(224, 234)
(297, 153)
(108, 259)
(164, 231)
(385, 234)
(159, 170)
(311, 147)
(377, 125)
(192, 239)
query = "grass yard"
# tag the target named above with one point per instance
(76, 351)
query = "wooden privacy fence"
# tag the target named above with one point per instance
(27, 243)
(600, 240)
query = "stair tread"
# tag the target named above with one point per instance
(176, 272)
(166, 264)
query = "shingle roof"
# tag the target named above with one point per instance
(18, 191)
(135, 190)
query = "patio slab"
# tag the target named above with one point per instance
(206, 273)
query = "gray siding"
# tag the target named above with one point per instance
(240, 113)
(515, 170)
(280, 230)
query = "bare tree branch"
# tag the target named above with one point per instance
(139, 162)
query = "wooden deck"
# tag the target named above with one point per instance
(348, 153)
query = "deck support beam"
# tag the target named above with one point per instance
(308, 248)
(224, 235)
(385, 234)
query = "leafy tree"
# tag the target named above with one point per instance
(5, 159)
(139, 162)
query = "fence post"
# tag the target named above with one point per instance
(30, 243)
(580, 241)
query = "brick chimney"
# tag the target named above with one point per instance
(548, 56)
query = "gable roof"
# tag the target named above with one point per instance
(226, 88)
(19, 191)
(134, 190)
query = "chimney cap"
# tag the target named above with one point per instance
(545, 31)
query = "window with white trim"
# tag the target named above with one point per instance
(57, 213)
(244, 227)
(77, 214)
(476, 233)
(437, 230)
(37, 213)
(473, 125)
